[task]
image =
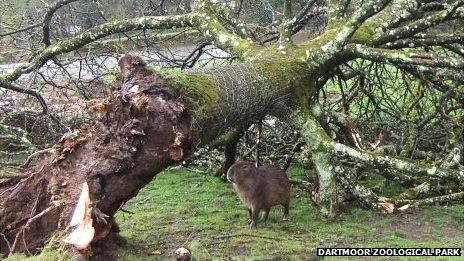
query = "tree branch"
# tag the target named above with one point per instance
(27, 28)
(430, 40)
(36, 95)
(99, 32)
(383, 162)
(362, 14)
(215, 32)
(48, 18)
(415, 27)
(402, 57)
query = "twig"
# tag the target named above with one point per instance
(289, 158)
(257, 236)
(36, 154)
(142, 201)
(12, 175)
(7, 242)
(245, 235)
(22, 181)
(126, 211)
(21, 232)
(21, 30)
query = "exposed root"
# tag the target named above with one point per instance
(35, 155)
(136, 135)
(28, 176)
(13, 175)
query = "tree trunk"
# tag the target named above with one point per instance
(137, 135)
(329, 193)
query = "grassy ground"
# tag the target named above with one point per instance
(190, 209)
(195, 210)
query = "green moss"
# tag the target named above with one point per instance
(202, 88)
(214, 31)
(286, 74)
(319, 41)
(365, 33)
(199, 89)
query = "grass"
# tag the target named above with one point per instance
(196, 210)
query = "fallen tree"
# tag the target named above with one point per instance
(157, 118)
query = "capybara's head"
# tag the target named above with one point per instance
(240, 170)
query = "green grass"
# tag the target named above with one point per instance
(194, 210)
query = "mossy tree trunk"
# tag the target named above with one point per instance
(137, 135)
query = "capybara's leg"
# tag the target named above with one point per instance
(254, 217)
(249, 216)
(266, 214)
(286, 207)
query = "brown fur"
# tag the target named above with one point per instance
(260, 188)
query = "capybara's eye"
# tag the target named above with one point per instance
(245, 166)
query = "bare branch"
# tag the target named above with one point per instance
(303, 12)
(48, 18)
(27, 28)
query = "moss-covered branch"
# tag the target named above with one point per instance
(416, 26)
(209, 23)
(403, 57)
(367, 10)
(397, 164)
(329, 194)
(98, 32)
(453, 197)
(430, 40)
(48, 18)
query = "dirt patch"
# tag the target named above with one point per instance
(240, 250)
(218, 203)
(419, 226)
(451, 230)
(411, 229)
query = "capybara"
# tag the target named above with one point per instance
(260, 188)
